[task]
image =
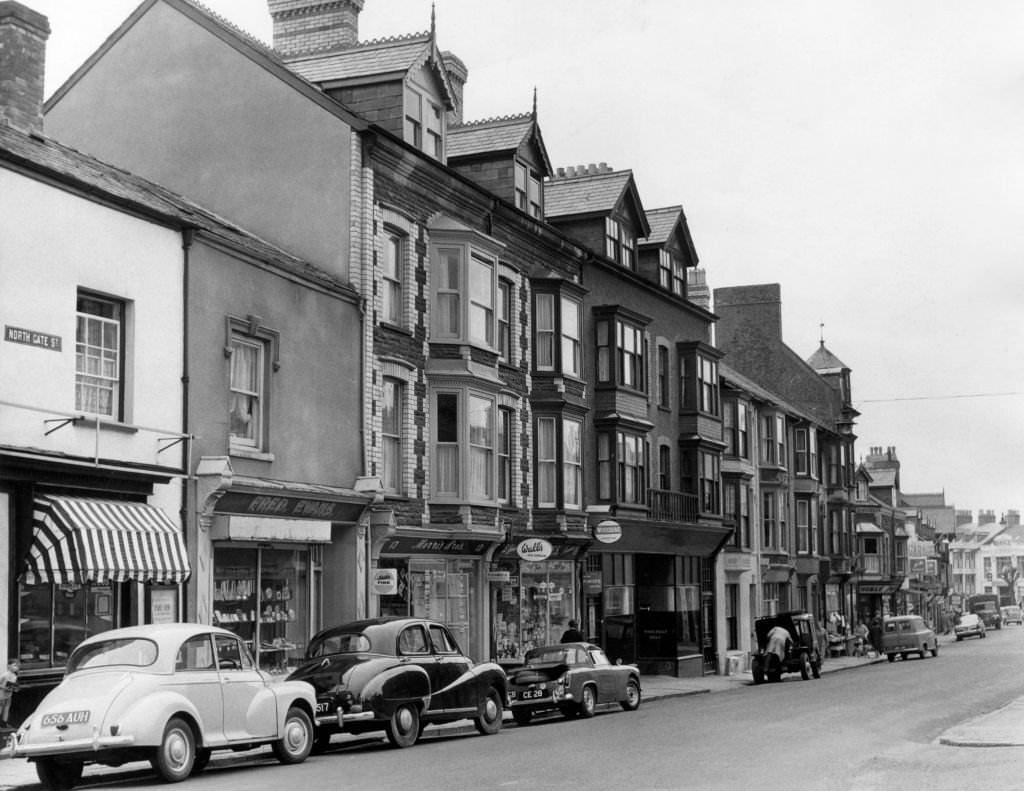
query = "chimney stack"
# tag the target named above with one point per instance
(23, 35)
(457, 75)
(697, 290)
(302, 26)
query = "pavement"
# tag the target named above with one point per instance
(1003, 727)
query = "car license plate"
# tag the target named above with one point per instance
(65, 718)
(532, 694)
(323, 708)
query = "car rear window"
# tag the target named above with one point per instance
(345, 643)
(133, 652)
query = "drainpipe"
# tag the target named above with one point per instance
(187, 237)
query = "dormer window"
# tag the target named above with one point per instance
(620, 243)
(424, 123)
(528, 191)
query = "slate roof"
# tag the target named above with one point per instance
(824, 361)
(367, 58)
(924, 500)
(883, 476)
(663, 222)
(493, 134)
(740, 382)
(39, 154)
(593, 192)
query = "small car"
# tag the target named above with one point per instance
(804, 653)
(571, 678)
(969, 624)
(169, 694)
(1012, 614)
(903, 635)
(398, 675)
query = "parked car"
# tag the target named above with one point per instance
(571, 678)
(903, 635)
(1012, 614)
(169, 694)
(398, 675)
(969, 624)
(803, 655)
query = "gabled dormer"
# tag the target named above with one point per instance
(600, 208)
(667, 252)
(504, 155)
(403, 84)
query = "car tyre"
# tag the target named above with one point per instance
(296, 740)
(176, 754)
(58, 775)
(816, 668)
(522, 717)
(805, 668)
(757, 671)
(203, 755)
(935, 650)
(904, 656)
(632, 701)
(891, 657)
(490, 712)
(588, 702)
(403, 729)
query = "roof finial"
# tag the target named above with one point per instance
(534, 113)
(433, 23)
(821, 331)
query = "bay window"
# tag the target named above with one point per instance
(805, 452)
(471, 446)
(547, 462)
(709, 482)
(481, 448)
(622, 467)
(556, 453)
(769, 520)
(557, 331)
(466, 304)
(481, 300)
(736, 425)
(504, 454)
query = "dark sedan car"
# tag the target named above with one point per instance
(571, 678)
(398, 675)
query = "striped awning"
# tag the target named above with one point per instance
(79, 540)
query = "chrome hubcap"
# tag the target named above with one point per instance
(295, 736)
(405, 719)
(177, 749)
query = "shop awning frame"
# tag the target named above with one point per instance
(80, 540)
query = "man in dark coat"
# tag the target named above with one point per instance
(572, 634)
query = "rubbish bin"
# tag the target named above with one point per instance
(734, 663)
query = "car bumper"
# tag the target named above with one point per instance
(90, 744)
(340, 719)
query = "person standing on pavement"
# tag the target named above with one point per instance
(875, 631)
(8, 684)
(572, 634)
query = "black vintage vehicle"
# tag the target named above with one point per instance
(398, 675)
(803, 652)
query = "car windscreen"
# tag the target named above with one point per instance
(343, 643)
(545, 656)
(129, 651)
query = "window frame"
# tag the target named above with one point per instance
(506, 292)
(256, 439)
(556, 460)
(557, 339)
(393, 255)
(456, 258)
(117, 386)
(617, 474)
(392, 438)
(463, 446)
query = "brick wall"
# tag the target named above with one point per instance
(23, 35)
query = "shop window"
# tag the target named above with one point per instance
(54, 618)
(548, 602)
(266, 596)
(99, 355)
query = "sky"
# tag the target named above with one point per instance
(866, 156)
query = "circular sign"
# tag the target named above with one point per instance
(534, 549)
(385, 581)
(608, 531)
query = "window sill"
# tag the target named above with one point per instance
(249, 453)
(106, 425)
(401, 328)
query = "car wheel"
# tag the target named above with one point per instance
(923, 653)
(58, 775)
(403, 729)
(805, 668)
(522, 716)
(203, 756)
(891, 657)
(177, 752)
(489, 713)
(757, 671)
(959, 638)
(588, 702)
(632, 701)
(904, 656)
(983, 635)
(816, 668)
(296, 740)
(935, 650)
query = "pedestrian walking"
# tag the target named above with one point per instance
(8, 686)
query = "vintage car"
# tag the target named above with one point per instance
(571, 678)
(169, 694)
(969, 624)
(804, 653)
(398, 675)
(903, 635)
(1012, 614)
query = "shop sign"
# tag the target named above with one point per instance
(499, 576)
(40, 340)
(534, 549)
(608, 532)
(593, 583)
(407, 545)
(385, 582)
(288, 506)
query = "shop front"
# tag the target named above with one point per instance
(534, 593)
(657, 603)
(82, 566)
(441, 577)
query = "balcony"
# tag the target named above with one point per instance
(667, 506)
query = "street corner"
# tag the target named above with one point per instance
(1003, 727)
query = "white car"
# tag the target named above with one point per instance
(969, 625)
(169, 694)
